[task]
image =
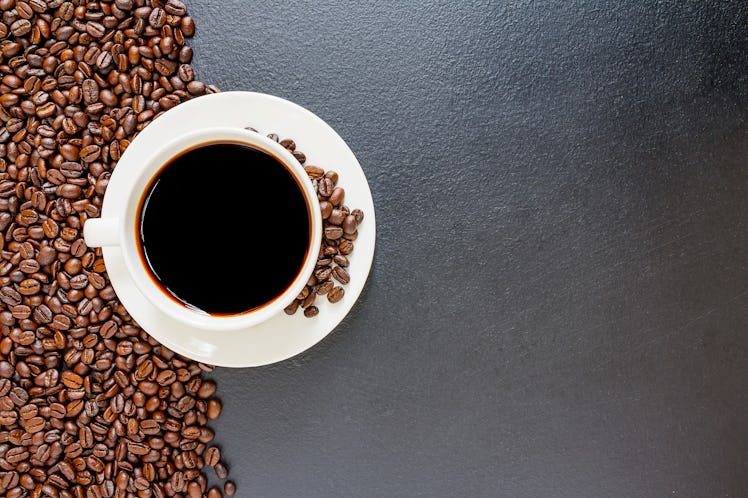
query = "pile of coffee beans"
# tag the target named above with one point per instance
(90, 405)
(340, 229)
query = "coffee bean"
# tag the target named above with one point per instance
(322, 274)
(314, 172)
(72, 380)
(24, 10)
(311, 311)
(221, 470)
(8, 417)
(337, 217)
(288, 144)
(229, 488)
(300, 156)
(325, 187)
(186, 73)
(214, 409)
(337, 196)
(349, 224)
(29, 287)
(196, 87)
(16, 455)
(137, 448)
(34, 425)
(291, 308)
(175, 7)
(95, 29)
(166, 378)
(40, 6)
(90, 91)
(325, 209)
(157, 18)
(90, 153)
(20, 28)
(10, 296)
(335, 294)
(207, 389)
(341, 275)
(345, 247)
(358, 215)
(325, 287)
(212, 456)
(333, 233)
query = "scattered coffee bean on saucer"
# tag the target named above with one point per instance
(339, 230)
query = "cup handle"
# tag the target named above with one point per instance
(101, 232)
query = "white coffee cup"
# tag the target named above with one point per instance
(123, 231)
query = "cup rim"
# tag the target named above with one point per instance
(134, 257)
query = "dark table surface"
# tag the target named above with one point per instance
(559, 300)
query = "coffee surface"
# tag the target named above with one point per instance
(224, 228)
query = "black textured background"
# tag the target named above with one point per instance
(559, 300)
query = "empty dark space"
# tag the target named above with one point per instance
(559, 298)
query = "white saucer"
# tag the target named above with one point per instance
(282, 336)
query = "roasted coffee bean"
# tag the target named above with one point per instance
(20, 28)
(175, 7)
(95, 29)
(137, 448)
(288, 144)
(10, 296)
(90, 153)
(207, 389)
(345, 247)
(325, 187)
(229, 488)
(335, 294)
(214, 409)
(349, 224)
(291, 308)
(322, 274)
(333, 233)
(314, 172)
(34, 425)
(300, 156)
(325, 287)
(29, 287)
(90, 90)
(72, 380)
(8, 417)
(166, 378)
(358, 215)
(339, 274)
(337, 196)
(221, 470)
(157, 18)
(212, 456)
(311, 311)
(326, 209)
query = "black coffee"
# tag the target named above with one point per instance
(224, 228)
